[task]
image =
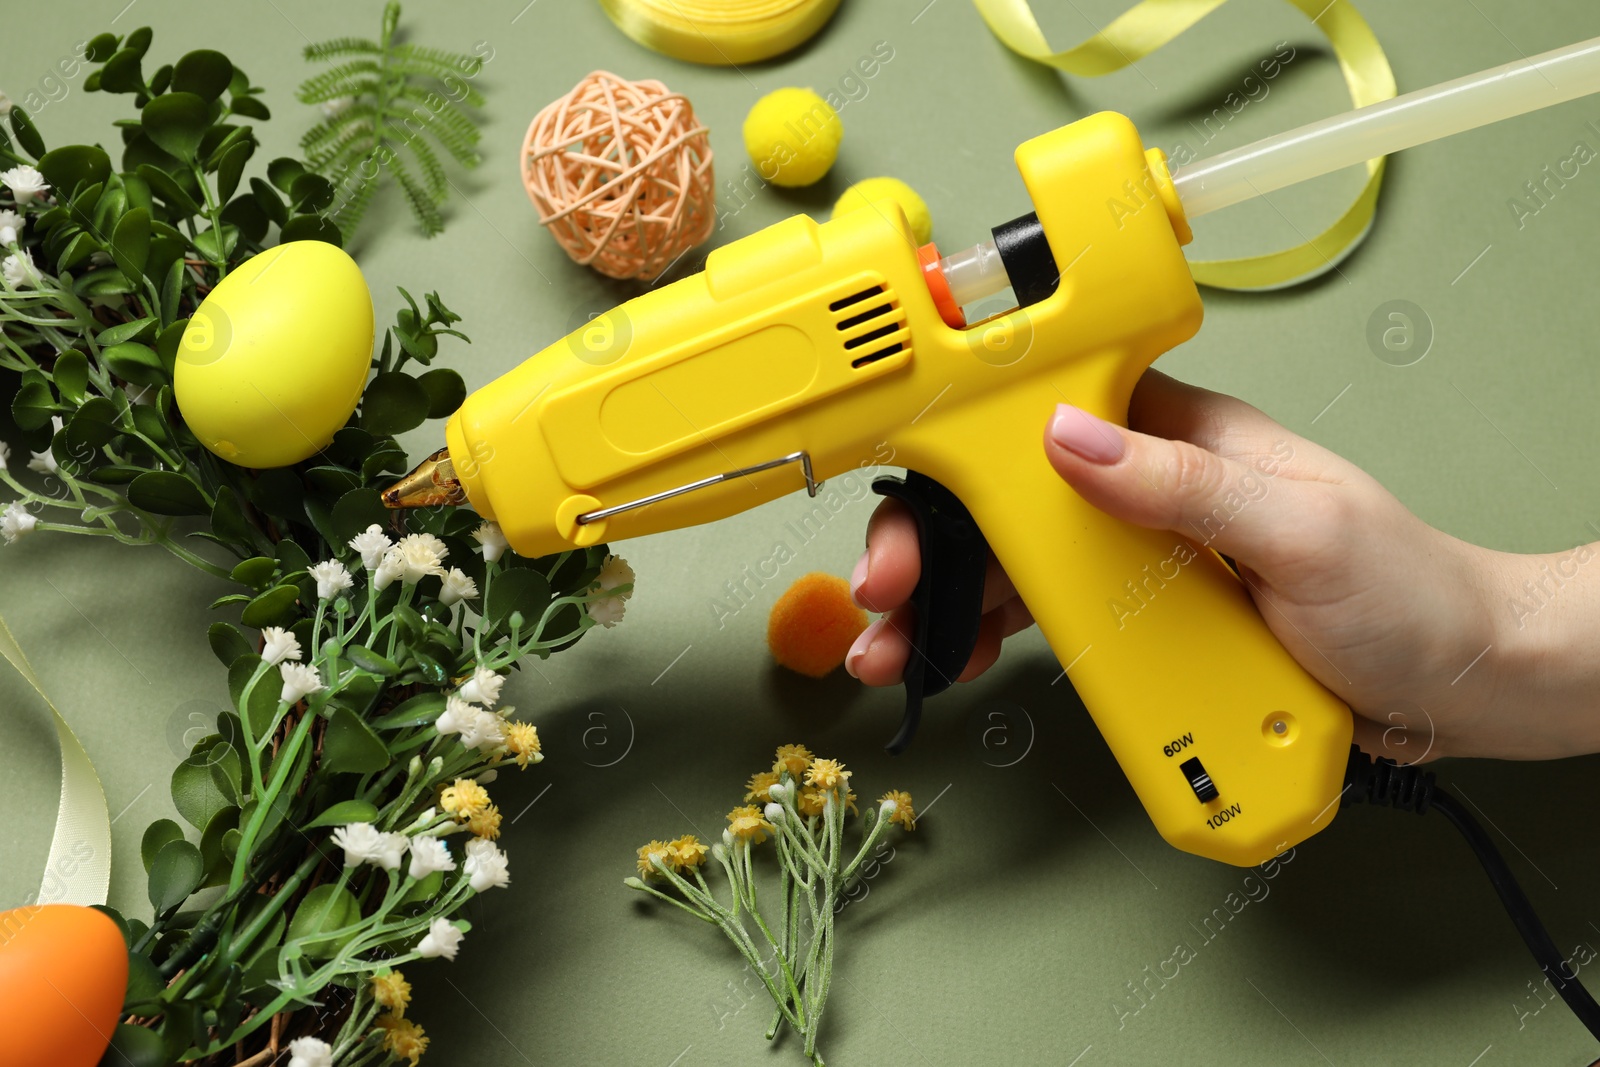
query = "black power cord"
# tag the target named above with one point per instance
(1385, 783)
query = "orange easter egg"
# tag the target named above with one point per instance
(813, 624)
(63, 974)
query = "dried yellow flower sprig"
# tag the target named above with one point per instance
(800, 804)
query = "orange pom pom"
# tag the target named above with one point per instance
(814, 624)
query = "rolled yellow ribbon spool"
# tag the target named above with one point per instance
(721, 33)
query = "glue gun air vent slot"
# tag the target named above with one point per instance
(870, 319)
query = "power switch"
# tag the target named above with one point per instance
(1199, 780)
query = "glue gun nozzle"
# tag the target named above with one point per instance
(433, 483)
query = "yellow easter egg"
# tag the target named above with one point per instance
(274, 359)
(792, 136)
(862, 193)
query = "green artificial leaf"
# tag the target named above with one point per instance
(228, 521)
(310, 193)
(80, 248)
(231, 167)
(94, 424)
(176, 122)
(27, 134)
(311, 228)
(393, 403)
(256, 572)
(174, 874)
(148, 421)
(446, 392)
(355, 511)
(163, 185)
(214, 862)
(102, 284)
(250, 107)
(109, 208)
(283, 171)
(228, 642)
(327, 908)
(194, 791)
(136, 1046)
(33, 405)
(172, 290)
(166, 493)
(136, 330)
(83, 204)
(269, 201)
(369, 660)
(139, 40)
(130, 243)
(517, 589)
(349, 745)
(217, 244)
(422, 708)
(291, 557)
(275, 607)
(245, 214)
(100, 48)
(239, 674)
(115, 474)
(332, 480)
(161, 79)
(204, 73)
(71, 373)
(344, 813)
(138, 191)
(156, 835)
(145, 983)
(67, 167)
(136, 363)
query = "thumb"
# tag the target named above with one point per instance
(1237, 508)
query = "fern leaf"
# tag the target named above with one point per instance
(353, 142)
(457, 63)
(358, 115)
(353, 88)
(451, 86)
(432, 172)
(448, 125)
(314, 90)
(341, 46)
(422, 204)
(351, 201)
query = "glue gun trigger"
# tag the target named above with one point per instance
(948, 599)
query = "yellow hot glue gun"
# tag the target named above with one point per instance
(803, 349)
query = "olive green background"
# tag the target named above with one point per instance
(1007, 928)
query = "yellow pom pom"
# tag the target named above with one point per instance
(792, 136)
(814, 624)
(863, 192)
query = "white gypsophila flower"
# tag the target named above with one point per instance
(25, 183)
(361, 842)
(429, 854)
(44, 462)
(310, 1052)
(614, 572)
(332, 578)
(390, 851)
(371, 545)
(299, 682)
(456, 587)
(484, 730)
(5, 454)
(413, 559)
(482, 688)
(280, 645)
(332, 109)
(390, 569)
(493, 539)
(607, 611)
(442, 939)
(427, 541)
(10, 228)
(16, 522)
(19, 271)
(487, 865)
(455, 717)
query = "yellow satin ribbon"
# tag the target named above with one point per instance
(720, 32)
(78, 870)
(1147, 26)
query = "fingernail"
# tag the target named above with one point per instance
(1082, 434)
(860, 648)
(858, 576)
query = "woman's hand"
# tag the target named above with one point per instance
(1420, 633)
